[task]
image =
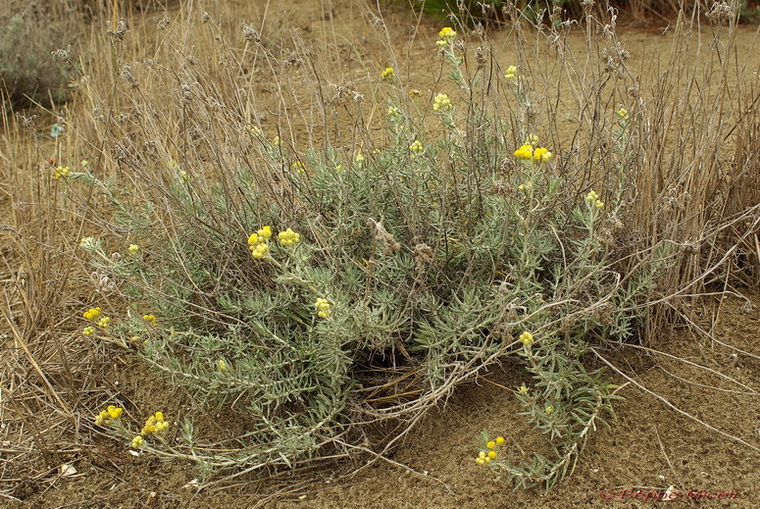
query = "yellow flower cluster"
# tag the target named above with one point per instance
(359, 157)
(92, 314)
(447, 34)
(299, 167)
(485, 457)
(134, 249)
(151, 319)
(95, 316)
(442, 103)
(154, 425)
(258, 242)
(88, 243)
(526, 338)
(416, 147)
(137, 442)
(511, 74)
(323, 308)
(592, 199)
(61, 172)
(523, 390)
(105, 417)
(289, 237)
(393, 112)
(549, 409)
(623, 114)
(539, 154)
(388, 74)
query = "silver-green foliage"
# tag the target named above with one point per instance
(433, 260)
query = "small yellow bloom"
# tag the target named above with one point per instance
(254, 240)
(447, 33)
(137, 442)
(623, 114)
(92, 314)
(323, 307)
(102, 418)
(61, 172)
(480, 461)
(88, 331)
(393, 112)
(599, 204)
(511, 74)
(151, 319)
(133, 249)
(114, 412)
(549, 409)
(88, 243)
(523, 390)
(542, 155)
(104, 322)
(388, 74)
(482, 454)
(441, 43)
(416, 147)
(492, 455)
(289, 237)
(265, 232)
(84, 163)
(499, 440)
(276, 141)
(338, 168)
(592, 197)
(359, 157)
(299, 167)
(442, 103)
(491, 444)
(415, 93)
(222, 365)
(487, 460)
(259, 251)
(526, 338)
(154, 424)
(524, 152)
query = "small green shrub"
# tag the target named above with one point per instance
(296, 285)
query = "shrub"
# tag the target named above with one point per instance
(28, 70)
(325, 293)
(287, 283)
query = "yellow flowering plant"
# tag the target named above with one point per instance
(281, 292)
